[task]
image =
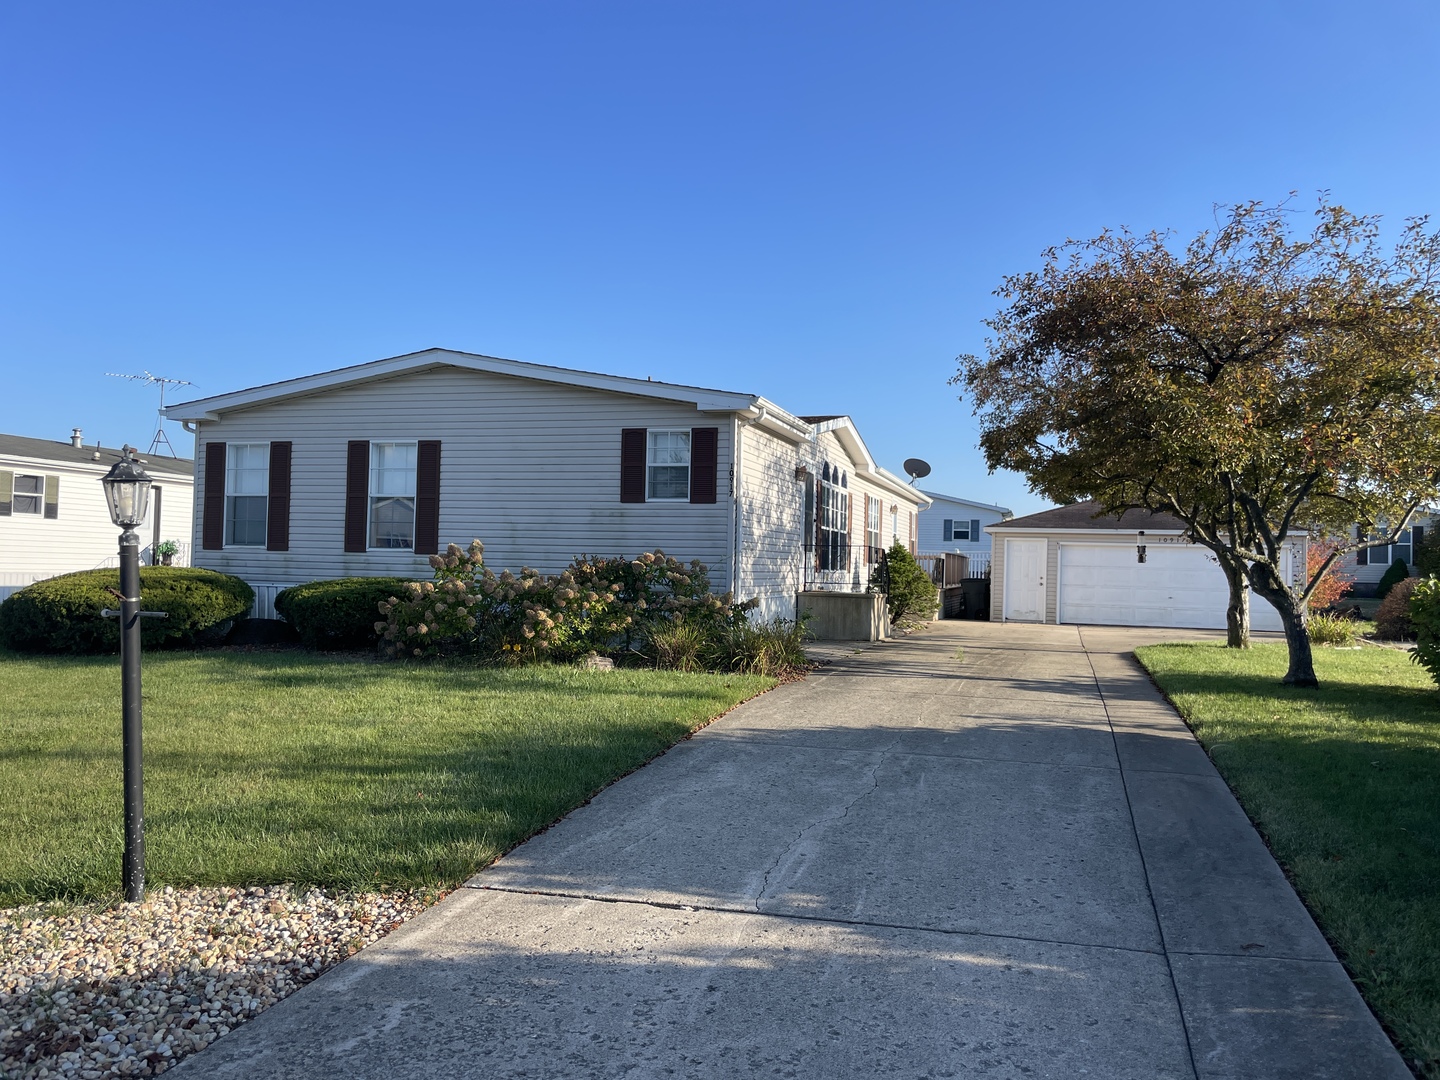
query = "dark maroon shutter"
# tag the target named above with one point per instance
(357, 493)
(427, 497)
(277, 512)
(632, 465)
(704, 463)
(212, 524)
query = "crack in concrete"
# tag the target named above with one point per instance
(884, 752)
(824, 920)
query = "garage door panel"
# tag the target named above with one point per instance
(1177, 586)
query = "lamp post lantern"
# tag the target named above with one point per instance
(127, 494)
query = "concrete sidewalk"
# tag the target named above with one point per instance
(1014, 861)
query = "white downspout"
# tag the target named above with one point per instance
(735, 507)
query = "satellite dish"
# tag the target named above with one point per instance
(917, 469)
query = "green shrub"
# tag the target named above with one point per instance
(339, 613)
(774, 649)
(1395, 573)
(1392, 617)
(910, 594)
(1425, 618)
(62, 614)
(1426, 555)
(679, 645)
(1327, 629)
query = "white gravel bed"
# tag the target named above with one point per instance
(130, 990)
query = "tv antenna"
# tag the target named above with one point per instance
(160, 381)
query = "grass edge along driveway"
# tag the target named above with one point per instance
(331, 770)
(1343, 783)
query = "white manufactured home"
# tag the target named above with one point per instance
(53, 518)
(1075, 565)
(955, 524)
(368, 470)
(1367, 566)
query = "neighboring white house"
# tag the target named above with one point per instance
(367, 470)
(1366, 566)
(53, 518)
(955, 524)
(1067, 565)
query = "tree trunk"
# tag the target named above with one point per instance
(1237, 615)
(1294, 618)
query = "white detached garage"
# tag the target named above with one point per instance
(1067, 565)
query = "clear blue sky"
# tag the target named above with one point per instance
(811, 201)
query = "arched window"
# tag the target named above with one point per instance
(834, 520)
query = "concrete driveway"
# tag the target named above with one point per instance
(987, 850)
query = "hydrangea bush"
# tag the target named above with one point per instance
(594, 604)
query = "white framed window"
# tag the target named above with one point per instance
(667, 465)
(29, 495)
(247, 493)
(392, 495)
(872, 530)
(834, 520)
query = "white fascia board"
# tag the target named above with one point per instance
(849, 436)
(1098, 534)
(766, 414)
(704, 400)
(896, 486)
(970, 502)
(845, 430)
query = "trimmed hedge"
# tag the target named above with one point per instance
(339, 613)
(62, 614)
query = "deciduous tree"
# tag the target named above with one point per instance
(1255, 383)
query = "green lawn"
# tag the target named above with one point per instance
(269, 767)
(1344, 783)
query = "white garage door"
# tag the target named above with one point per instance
(1177, 585)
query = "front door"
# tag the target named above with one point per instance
(1025, 580)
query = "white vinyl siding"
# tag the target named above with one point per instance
(771, 522)
(530, 468)
(81, 535)
(1089, 579)
(952, 524)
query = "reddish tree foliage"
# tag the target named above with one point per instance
(1329, 589)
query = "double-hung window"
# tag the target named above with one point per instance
(247, 493)
(392, 495)
(667, 465)
(29, 496)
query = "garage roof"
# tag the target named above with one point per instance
(1087, 515)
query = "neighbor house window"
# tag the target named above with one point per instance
(667, 465)
(834, 520)
(392, 495)
(247, 493)
(872, 529)
(29, 497)
(1385, 554)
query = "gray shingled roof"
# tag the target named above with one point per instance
(49, 450)
(1081, 515)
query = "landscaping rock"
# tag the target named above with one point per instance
(129, 990)
(597, 663)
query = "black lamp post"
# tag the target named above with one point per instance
(127, 493)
